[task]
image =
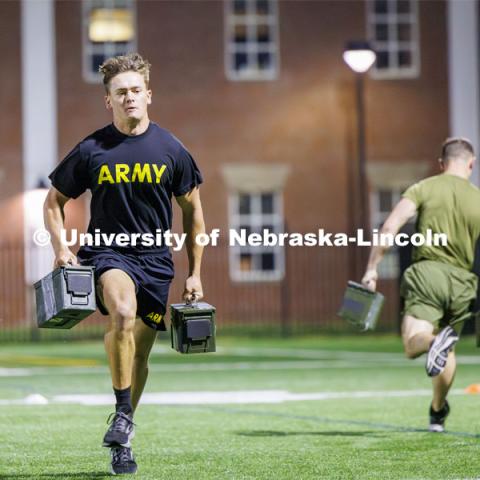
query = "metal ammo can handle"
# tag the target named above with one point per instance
(193, 303)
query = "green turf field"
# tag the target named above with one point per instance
(323, 408)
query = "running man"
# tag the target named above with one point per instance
(132, 167)
(439, 287)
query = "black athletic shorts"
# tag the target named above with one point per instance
(151, 273)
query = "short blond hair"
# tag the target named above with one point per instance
(131, 62)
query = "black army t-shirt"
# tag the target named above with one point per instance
(132, 178)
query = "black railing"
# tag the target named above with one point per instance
(305, 300)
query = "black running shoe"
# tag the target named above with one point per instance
(437, 419)
(438, 352)
(123, 461)
(121, 430)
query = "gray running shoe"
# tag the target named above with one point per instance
(120, 432)
(438, 352)
(123, 461)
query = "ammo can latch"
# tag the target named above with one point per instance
(79, 286)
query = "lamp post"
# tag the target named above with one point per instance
(359, 56)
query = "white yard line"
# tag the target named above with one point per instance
(242, 397)
(225, 398)
(15, 372)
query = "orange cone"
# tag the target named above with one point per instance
(474, 388)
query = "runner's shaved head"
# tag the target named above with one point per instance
(457, 148)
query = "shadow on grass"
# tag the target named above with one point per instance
(327, 433)
(65, 475)
(339, 421)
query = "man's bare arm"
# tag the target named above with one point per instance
(54, 216)
(193, 224)
(399, 216)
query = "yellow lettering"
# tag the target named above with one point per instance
(141, 173)
(121, 170)
(158, 172)
(155, 317)
(105, 175)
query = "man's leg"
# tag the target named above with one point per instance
(144, 340)
(118, 293)
(417, 336)
(443, 382)
(439, 409)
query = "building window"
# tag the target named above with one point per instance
(109, 29)
(382, 203)
(251, 39)
(393, 30)
(256, 213)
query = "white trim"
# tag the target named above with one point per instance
(39, 87)
(255, 177)
(463, 73)
(39, 124)
(397, 175)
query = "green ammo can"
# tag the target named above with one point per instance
(193, 327)
(361, 306)
(65, 297)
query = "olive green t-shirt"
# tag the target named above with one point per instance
(447, 204)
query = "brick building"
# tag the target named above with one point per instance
(258, 92)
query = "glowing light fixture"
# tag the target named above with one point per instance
(359, 56)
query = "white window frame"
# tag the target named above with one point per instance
(107, 49)
(252, 47)
(255, 219)
(392, 19)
